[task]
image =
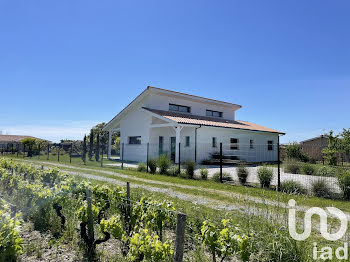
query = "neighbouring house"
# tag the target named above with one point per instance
(313, 147)
(11, 142)
(160, 121)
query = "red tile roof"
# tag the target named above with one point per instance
(14, 138)
(211, 121)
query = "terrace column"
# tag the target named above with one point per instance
(109, 144)
(177, 141)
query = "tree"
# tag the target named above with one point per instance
(29, 142)
(294, 151)
(97, 147)
(330, 152)
(345, 142)
(91, 144)
(84, 150)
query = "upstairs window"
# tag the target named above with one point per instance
(134, 140)
(213, 113)
(234, 144)
(179, 108)
(270, 145)
(251, 144)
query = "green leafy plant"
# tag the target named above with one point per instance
(344, 183)
(10, 240)
(225, 177)
(163, 164)
(190, 166)
(320, 188)
(204, 173)
(152, 164)
(225, 241)
(292, 187)
(242, 173)
(142, 167)
(173, 171)
(308, 169)
(325, 171)
(265, 176)
(292, 166)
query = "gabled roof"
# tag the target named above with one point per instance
(314, 138)
(151, 89)
(15, 138)
(210, 121)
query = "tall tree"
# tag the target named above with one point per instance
(83, 156)
(330, 152)
(29, 143)
(97, 147)
(91, 144)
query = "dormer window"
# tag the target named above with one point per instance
(213, 113)
(179, 108)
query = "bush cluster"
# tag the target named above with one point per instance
(242, 173)
(265, 176)
(292, 187)
(225, 177)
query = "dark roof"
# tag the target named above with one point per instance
(210, 121)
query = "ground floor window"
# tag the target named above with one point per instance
(234, 143)
(187, 144)
(134, 140)
(270, 145)
(251, 144)
(214, 142)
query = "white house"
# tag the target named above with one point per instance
(163, 122)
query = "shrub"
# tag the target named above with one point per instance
(225, 177)
(292, 166)
(344, 183)
(242, 173)
(312, 160)
(206, 162)
(173, 171)
(308, 169)
(190, 166)
(152, 164)
(163, 164)
(320, 188)
(325, 171)
(265, 176)
(204, 173)
(292, 187)
(183, 174)
(142, 167)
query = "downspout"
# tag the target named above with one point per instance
(195, 143)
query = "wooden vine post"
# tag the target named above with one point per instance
(180, 237)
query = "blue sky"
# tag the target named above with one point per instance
(67, 65)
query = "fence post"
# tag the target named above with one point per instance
(221, 162)
(17, 149)
(71, 152)
(278, 166)
(179, 158)
(58, 155)
(48, 151)
(128, 209)
(122, 155)
(147, 155)
(90, 220)
(180, 237)
(39, 151)
(102, 147)
(24, 150)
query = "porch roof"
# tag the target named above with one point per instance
(210, 121)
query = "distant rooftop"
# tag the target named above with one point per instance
(15, 138)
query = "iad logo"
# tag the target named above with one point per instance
(326, 252)
(323, 222)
